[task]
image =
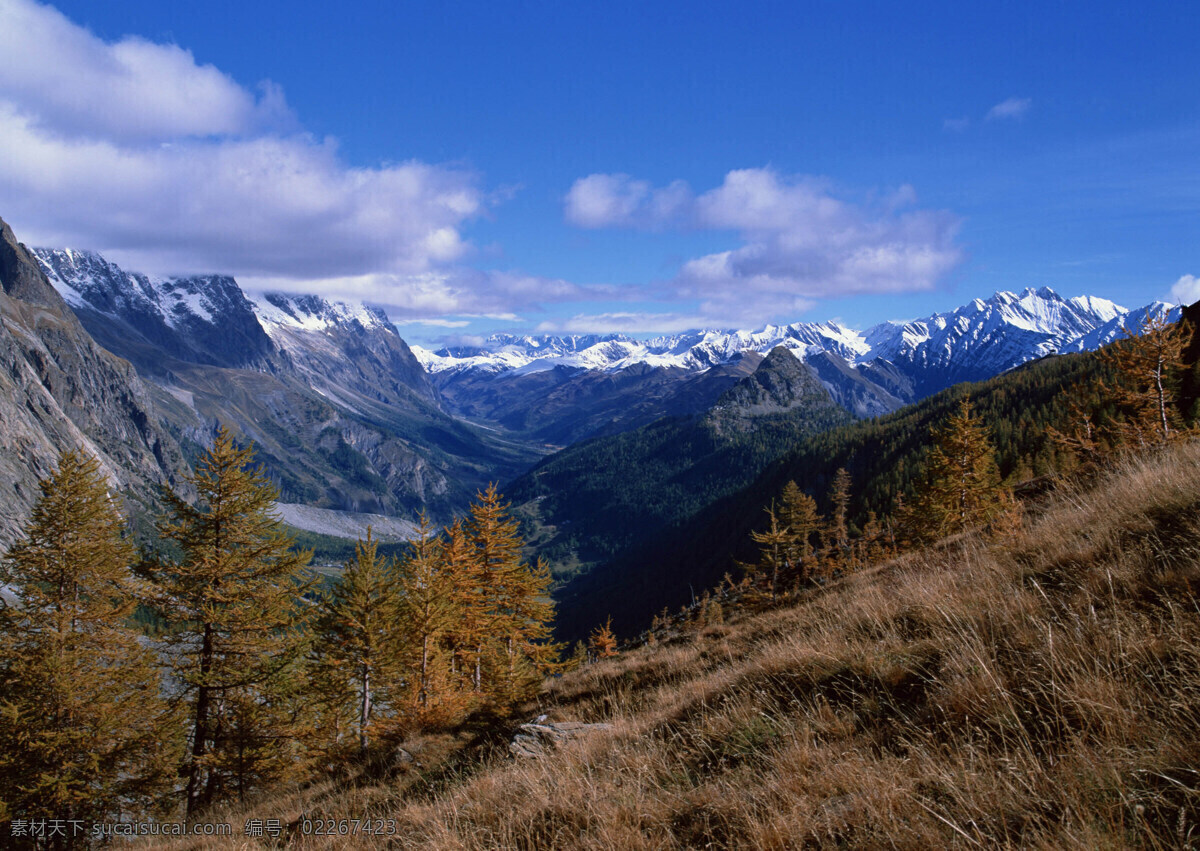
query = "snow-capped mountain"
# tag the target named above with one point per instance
(869, 372)
(346, 351)
(200, 319)
(1122, 325)
(1001, 332)
(693, 350)
(341, 412)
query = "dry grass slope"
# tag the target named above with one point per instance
(1039, 692)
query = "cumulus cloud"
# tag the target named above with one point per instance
(170, 166)
(1014, 108)
(75, 84)
(1186, 290)
(799, 241)
(617, 200)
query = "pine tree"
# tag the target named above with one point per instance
(963, 488)
(235, 596)
(84, 730)
(357, 635)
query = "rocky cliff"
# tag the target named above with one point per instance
(60, 390)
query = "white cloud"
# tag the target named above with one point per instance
(624, 322)
(169, 166)
(437, 323)
(1010, 108)
(799, 242)
(132, 89)
(617, 200)
(1186, 290)
(456, 292)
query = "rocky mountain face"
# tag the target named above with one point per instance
(199, 319)
(338, 348)
(780, 383)
(59, 390)
(342, 414)
(868, 372)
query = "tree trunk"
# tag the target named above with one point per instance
(200, 735)
(364, 714)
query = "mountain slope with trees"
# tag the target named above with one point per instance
(590, 501)
(886, 459)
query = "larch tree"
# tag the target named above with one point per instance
(839, 533)
(466, 633)
(426, 614)
(1148, 365)
(963, 487)
(602, 643)
(798, 514)
(235, 599)
(357, 638)
(515, 646)
(773, 550)
(84, 730)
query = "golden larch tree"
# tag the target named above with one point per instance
(235, 598)
(84, 730)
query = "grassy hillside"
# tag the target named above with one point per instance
(1041, 691)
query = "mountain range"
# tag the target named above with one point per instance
(868, 372)
(348, 417)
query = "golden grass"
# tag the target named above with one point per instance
(1038, 692)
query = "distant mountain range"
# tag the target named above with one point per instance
(869, 372)
(347, 417)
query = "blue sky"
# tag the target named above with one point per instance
(617, 166)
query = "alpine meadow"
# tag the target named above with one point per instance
(599, 427)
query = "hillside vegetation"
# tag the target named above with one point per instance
(589, 502)
(1037, 690)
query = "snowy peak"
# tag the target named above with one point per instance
(199, 318)
(994, 334)
(1122, 324)
(693, 350)
(86, 279)
(313, 313)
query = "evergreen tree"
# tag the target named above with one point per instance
(84, 731)
(963, 488)
(235, 598)
(357, 635)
